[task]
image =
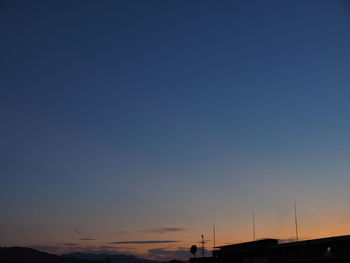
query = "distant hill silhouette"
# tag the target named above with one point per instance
(112, 258)
(29, 255)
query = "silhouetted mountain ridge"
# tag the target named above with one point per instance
(114, 258)
(29, 255)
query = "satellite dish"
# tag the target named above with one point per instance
(193, 249)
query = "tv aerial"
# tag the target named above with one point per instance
(202, 242)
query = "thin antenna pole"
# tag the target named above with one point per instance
(253, 226)
(202, 246)
(214, 236)
(296, 221)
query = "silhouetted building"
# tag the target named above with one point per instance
(332, 249)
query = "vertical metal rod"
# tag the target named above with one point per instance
(214, 236)
(202, 246)
(296, 221)
(253, 226)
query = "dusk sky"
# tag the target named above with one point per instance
(135, 126)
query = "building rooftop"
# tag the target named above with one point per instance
(316, 241)
(262, 242)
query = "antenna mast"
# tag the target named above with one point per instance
(202, 242)
(214, 236)
(296, 221)
(253, 226)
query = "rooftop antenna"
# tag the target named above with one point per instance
(253, 226)
(296, 221)
(214, 236)
(202, 242)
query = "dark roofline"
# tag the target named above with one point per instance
(303, 242)
(249, 243)
(315, 241)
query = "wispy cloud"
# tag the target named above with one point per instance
(64, 249)
(83, 235)
(71, 244)
(120, 232)
(145, 242)
(79, 232)
(163, 254)
(163, 230)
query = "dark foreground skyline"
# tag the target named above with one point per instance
(135, 126)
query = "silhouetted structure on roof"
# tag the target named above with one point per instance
(327, 250)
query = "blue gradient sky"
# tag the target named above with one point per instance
(119, 118)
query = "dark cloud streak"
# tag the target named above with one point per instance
(165, 230)
(145, 242)
(78, 232)
(71, 244)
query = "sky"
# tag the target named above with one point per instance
(135, 126)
